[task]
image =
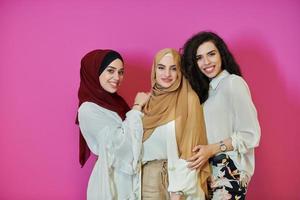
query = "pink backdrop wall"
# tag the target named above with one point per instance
(42, 42)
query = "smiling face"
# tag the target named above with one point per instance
(209, 59)
(111, 78)
(166, 71)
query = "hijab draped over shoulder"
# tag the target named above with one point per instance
(92, 65)
(180, 103)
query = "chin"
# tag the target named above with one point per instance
(112, 91)
(210, 75)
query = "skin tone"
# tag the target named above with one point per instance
(166, 75)
(111, 78)
(209, 59)
(166, 71)
(209, 62)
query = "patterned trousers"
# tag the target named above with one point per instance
(226, 181)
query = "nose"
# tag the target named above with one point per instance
(206, 60)
(167, 73)
(116, 76)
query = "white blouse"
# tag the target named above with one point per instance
(230, 112)
(162, 145)
(118, 144)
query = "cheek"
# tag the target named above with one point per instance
(199, 63)
(102, 83)
(174, 75)
(121, 78)
(218, 60)
(157, 74)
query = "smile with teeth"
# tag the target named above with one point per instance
(209, 69)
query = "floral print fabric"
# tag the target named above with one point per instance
(226, 181)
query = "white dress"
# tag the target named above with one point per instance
(115, 175)
(162, 145)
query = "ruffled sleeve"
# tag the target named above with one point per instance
(105, 133)
(246, 127)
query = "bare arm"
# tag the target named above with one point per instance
(204, 152)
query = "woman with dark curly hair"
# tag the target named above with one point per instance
(232, 126)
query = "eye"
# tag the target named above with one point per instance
(199, 57)
(174, 68)
(160, 67)
(212, 53)
(111, 71)
(121, 72)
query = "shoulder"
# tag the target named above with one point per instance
(237, 87)
(234, 79)
(89, 109)
(235, 83)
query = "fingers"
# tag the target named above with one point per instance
(197, 148)
(195, 164)
(198, 166)
(193, 158)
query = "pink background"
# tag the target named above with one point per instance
(42, 42)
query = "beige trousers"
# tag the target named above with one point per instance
(155, 180)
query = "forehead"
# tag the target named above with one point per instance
(206, 47)
(117, 64)
(168, 58)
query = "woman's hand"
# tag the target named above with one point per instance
(204, 152)
(141, 99)
(175, 196)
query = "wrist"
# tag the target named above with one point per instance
(137, 106)
(215, 148)
(222, 146)
(179, 193)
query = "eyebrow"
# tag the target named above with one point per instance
(165, 66)
(114, 67)
(206, 53)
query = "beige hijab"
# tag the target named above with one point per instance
(180, 103)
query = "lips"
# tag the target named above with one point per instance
(166, 80)
(114, 84)
(209, 69)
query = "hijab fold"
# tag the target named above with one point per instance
(90, 90)
(178, 102)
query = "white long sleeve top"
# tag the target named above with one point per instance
(230, 112)
(162, 145)
(118, 143)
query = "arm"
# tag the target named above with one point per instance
(204, 152)
(105, 133)
(246, 131)
(246, 127)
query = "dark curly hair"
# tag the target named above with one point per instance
(190, 69)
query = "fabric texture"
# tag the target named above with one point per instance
(226, 179)
(155, 180)
(90, 90)
(230, 113)
(180, 103)
(162, 145)
(118, 143)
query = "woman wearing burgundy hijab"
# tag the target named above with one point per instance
(109, 128)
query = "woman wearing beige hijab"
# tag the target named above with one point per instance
(173, 126)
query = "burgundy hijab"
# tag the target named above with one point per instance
(90, 90)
